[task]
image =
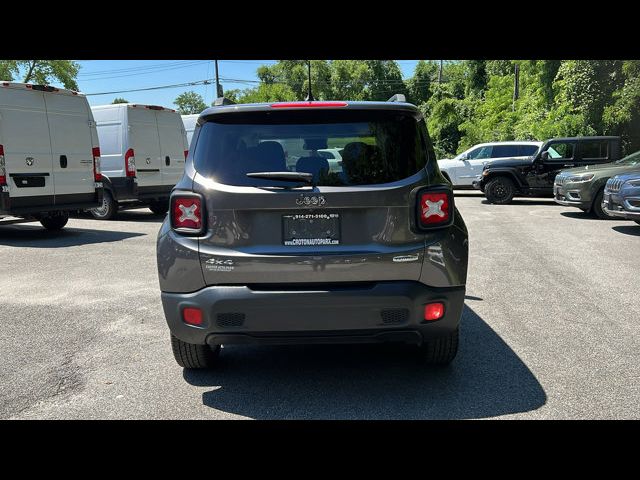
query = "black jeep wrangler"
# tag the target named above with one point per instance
(504, 179)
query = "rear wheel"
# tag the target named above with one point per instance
(108, 210)
(500, 190)
(189, 355)
(159, 208)
(440, 351)
(55, 220)
(597, 207)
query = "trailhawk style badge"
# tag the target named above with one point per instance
(306, 200)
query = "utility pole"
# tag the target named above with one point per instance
(516, 85)
(219, 92)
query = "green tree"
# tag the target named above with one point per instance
(419, 87)
(119, 100)
(41, 71)
(189, 103)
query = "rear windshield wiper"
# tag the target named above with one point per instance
(285, 176)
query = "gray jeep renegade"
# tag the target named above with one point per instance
(267, 243)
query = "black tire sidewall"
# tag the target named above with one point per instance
(506, 183)
(56, 221)
(597, 207)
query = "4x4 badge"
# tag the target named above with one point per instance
(315, 200)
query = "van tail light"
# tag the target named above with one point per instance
(187, 213)
(3, 171)
(186, 152)
(130, 163)
(97, 176)
(434, 208)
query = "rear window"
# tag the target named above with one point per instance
(374, 146)
(527, 150)
(504, 151)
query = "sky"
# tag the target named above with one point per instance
(101, 76)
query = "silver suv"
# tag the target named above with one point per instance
(261, 249)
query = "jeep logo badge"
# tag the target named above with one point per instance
(308, 201)
(29, 161)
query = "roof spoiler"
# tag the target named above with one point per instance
(398, 97)
(222, 101)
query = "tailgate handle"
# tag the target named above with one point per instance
(167, 160)
(63, 161)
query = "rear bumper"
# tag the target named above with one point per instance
(278, 314)
(154, 193)
(22, 206)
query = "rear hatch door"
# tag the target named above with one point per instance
(352, 226)
(145, 141)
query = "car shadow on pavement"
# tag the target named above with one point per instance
(584, 216)
(486, 379)
(631, 229)
(39, 237)
(137, 215)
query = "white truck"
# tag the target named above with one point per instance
(189, 122)
(143, 152)
(49, 154)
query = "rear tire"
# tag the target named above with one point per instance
(189, 355)
(159, 208)
(55, 221)
(597, 207)
(108, 210)
(440, 351)
(500, 190)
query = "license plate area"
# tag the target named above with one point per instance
(309, 229)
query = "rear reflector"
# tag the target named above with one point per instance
(96, 164)
(434, 311)
(308, 104)
(130, 163)
(192, 316)
(434, 208)
(186, 213)
(186, 152)
(3, 172)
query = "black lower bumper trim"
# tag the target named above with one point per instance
(402, 336)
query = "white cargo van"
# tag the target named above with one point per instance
(189, 122)
(143, 152)
(49, 154)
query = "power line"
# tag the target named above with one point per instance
(143, 73)
(155, 66)
(160, 87)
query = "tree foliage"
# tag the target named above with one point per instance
(189, 103)
(119, 100)
(41, 72)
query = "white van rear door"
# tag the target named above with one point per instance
(173, 144)
(71, 144)
(27, 148)
(143, 138)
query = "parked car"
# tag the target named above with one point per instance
(49, 154)
(463, 169)
(334, 157)
(622, 196)
(189, 122)
(583, 187)
(501, 181)
(252, 252)
(143, 152)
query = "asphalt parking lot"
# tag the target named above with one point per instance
(550, 330)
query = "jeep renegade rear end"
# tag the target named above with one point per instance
(265, 243)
